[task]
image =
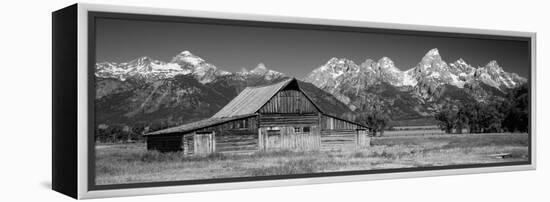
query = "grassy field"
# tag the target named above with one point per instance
(132, 163)
(417, 132)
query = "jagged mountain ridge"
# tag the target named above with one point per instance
(431, 69)
(189, 88)
(145, 69)
(415, 92)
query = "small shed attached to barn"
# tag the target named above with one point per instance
(280, 116)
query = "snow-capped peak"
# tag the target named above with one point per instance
(432, 57)
(186, 52)
(492, 74)
(340, 65)
(186, 57)
(493, 64)
(145, 68)
(389, 73)
(461, 61)
(334, 60)
(260, 69)
(386, 63)
(141, 68)
(432, 61)
(433, 52)
(343, 69)
(141, 59)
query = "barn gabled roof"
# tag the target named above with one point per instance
(199, 124)
(251, 99)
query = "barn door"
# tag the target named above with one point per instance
(269, 138)
(363, 139)
(274, 139)
(204, 143)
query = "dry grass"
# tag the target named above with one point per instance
(419, 132)
(132, 163)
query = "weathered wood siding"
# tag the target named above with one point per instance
(188, 144)
(331, 123)
(288, 119)
(286, 138)
(237, 141)
(339, 134)
(338, 139)
(204, 143)
(249, 124)
(235, 136)
(363, 139)
(288, 101)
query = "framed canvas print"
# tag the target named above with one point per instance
(149, 101)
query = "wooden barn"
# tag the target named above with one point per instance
(275, 117)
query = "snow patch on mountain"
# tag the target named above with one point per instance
(140, 68)
(185, 63)
(260, 70)
(369, 72)
(431, 71)
(187, 57)
(408, 79)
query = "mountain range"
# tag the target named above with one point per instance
(188, 88)
(148, 70)
(415, 92)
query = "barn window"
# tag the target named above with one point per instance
(306, 129)
(241, 123)
(297, 129)
(273, 128)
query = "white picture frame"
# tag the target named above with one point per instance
(81, 165)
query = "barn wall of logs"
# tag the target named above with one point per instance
(289, 138)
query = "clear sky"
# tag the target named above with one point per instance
(295, 52)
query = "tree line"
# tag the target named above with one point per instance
(510, 114)
(119, 133)
(506, 115)
(376, 117)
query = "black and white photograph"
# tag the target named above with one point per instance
(276, 100)
(196, 100)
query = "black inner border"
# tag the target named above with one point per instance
(92, 16)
